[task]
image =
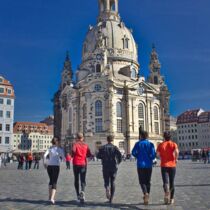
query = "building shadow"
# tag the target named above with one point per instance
(192, 185)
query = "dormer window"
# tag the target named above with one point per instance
(133, 73)
(125, 42)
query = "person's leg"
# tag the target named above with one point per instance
(172, 173)
(165, 178)
(76, 179)
(50, 174)
(112, 176)
(106, 182)
(56, 170)
(148, 179)
(142, 180)
(83, 172)
(35, 165)
(30, 162)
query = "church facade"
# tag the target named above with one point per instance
(109, 95)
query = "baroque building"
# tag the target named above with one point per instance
(7, 99)
(109, 95)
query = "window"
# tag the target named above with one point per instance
(155, 80)
(9, 102)
(1, 101)
(121, 145)
(7, 127)
(0, 127)
(1, 113)
(9, 91)
(99, 125)
(141, 115)
(8, 114)
(125, 43)
(97, 87)
(98, 117)
(119, 117)
(6, 140)
(98, 108)
(98, 68)
(156, 120)
(133, 74)
(1, 90)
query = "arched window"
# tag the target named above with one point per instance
(125, 42)
(84, 110)
(98, 68)
(113, 6)
(119, 117)
(156, 120)
(141, 115)
(98, 116)
(98, 108)
(155, 80)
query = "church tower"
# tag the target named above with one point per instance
(155, 66)
(67, 74)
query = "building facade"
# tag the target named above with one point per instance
(7, 98)
(193, 130)
(109, 95)
(31, 137)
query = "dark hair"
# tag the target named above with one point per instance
(143, 134)
(54, 140)
(167, 135)
(110, 138)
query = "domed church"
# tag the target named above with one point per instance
(109, 95)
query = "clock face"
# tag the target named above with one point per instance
(98, 57)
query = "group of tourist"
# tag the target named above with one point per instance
(143, 151)
(28, 160)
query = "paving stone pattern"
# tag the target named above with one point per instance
(26, 190)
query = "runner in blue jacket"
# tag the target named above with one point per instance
(144, 152)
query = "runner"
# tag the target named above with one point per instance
(52, 158)
(168, 152)
(144, 152)
(111, 157)
(80, 152)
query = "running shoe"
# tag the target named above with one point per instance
(146, 199)
(172, 201)
(108, 193)
(82, 197)
(167, 198)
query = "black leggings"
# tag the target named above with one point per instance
(145, 179)
(79, 171)
(168, 176)
(53, 172)
(109, 178)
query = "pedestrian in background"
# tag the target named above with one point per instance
(111, 157)
(30, 160)
(144, 152)
(20, 161)
(68, 161)
(80, 152)
(168, 153)
(54, 155)
(36, 161)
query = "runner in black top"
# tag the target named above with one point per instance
(111, 157)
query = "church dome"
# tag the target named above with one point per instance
(112, 35)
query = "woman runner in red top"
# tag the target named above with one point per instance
(80, 152)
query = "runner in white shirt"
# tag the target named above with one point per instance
(52, 159)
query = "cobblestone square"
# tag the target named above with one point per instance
(25, 190)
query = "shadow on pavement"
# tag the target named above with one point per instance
(192, 185)
(88, 204)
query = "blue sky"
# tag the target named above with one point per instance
(35, 35)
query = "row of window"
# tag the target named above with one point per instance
(8, 101)
(26, 136)
(188, 137)
(7, 127)
(190, 144)
(2, 90)
(8, 114)
(119, 115)
(7, 140)
(187, 126)
(29, 141)
(188, 131)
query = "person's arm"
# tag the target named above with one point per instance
(158, 152)
(176, 153)
(89, 154)
(135, 151)
(45, 158)
(100, 154)
(119, 156)
(152, 152)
